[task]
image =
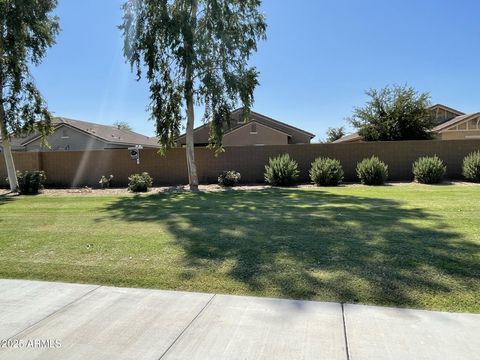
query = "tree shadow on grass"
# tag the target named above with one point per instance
(8, 197)
(311, 244)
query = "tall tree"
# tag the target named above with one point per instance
(394, 113)
(335, 133)
(194, 52)
(27, 30)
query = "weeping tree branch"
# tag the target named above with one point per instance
(27, 30)
(194, 51)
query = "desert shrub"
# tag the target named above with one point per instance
(326, 172)
(106, 181)
(30, 182)
(372, 171)
(471, 166)
(139, 182)
(281, 171)
(429, 170)
(229, 178)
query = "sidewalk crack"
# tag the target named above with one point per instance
(186, 327)
(24, 331)
(345, 332)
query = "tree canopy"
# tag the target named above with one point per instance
(335, 133)
(394, 113)
(194, 52)
(27, 30)
(122, 125)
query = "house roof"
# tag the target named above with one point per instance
(107, 133)
(456, 120)
(452, 110)
(459, 118)
(258, 123)
(348, 138)
(274, 124)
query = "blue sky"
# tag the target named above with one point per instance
(318, 59)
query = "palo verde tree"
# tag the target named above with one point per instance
(194, 52)
(394, 113)
(27, 30)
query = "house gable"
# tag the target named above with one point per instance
(461, 127)
(255, 133)
(295, 135)
(82, 135)
(444, 113)
(65, 138)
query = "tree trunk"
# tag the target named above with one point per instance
(6, 146)
(192, 168)
(7, 151)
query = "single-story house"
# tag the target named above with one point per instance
(76, 135)
(258, 130)
(450, 124)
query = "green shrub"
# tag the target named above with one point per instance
(281, 171)
(229, 178)
(429, 170)
(30, 182)
(372, 171)
(106, 181)
(471, 166)
(139, 182)
(326, 172)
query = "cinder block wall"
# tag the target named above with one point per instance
(23, 161)
(80, 168)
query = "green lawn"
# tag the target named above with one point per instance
(414, 246)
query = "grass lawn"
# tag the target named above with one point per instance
(414, 246)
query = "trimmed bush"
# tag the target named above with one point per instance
(372, 171)
(30, 182)
(229, 178)
(281, 171)
(139, 182)
(326, 172)
(471, 166)
(429, 170)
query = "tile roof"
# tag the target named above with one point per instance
(347, 138)
(452, 110)
(108, 133)
(264, 120)
(454, 121)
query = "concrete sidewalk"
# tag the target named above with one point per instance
(45, 320)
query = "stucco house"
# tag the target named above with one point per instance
(450, 124)
(76, 135)
(258, 130)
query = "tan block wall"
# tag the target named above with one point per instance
(79, 168)
(23, 161)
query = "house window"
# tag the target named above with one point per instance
(253, 128)
(65, 134)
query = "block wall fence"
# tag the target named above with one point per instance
(84, 168)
